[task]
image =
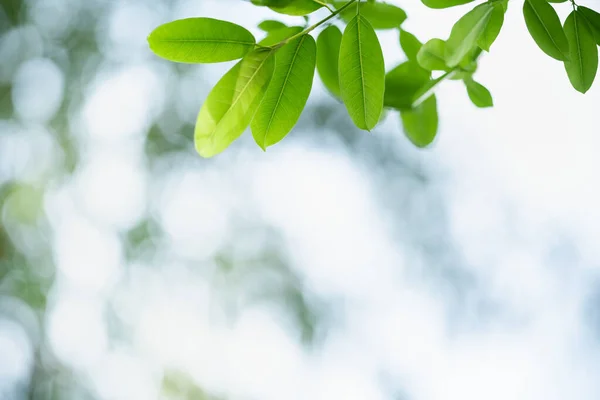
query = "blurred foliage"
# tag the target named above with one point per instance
(264, 277)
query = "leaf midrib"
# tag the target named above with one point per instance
(362, 78)
(578, 46)
(201, 41)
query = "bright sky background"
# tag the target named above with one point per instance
(518, 190)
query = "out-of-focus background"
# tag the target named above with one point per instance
(338, 265)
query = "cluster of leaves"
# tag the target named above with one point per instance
(269, 87)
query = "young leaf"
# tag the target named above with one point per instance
(402, 83)
(479, 94)
(583, 59)
(431, 55)
(232, 103)
(545, 28)
(466, 32)
(421, 123)
(410, 45)
(444, 3)
(593, 19)
(362, 73)
(201, 40)
(328, 55)
(493, 27)
(287, 93)
(271, 25)
(380, 15)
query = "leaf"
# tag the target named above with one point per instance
(593, 19)
(328, 55)
(479, 94)
(466, 32)
(421, 123)
(410, 45)
(271, 25)
(298, 7)
(545, 28)
(583, 58)
(201, 40)
(279, 35)
(380, 15)
(444, 3)
(231, 104)
(362, 73)
(493, 27)
(431, 55)
(402, 83)
(287, 93)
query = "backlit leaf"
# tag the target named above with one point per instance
(466, 32)
(362, 73)
(493, 27)
(232, 103)
(201, 40)
(287, 93)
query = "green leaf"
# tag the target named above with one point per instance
(410, 45)
(328, 55)
(421, 123)
(593, 19)
(444, 3)
(287, 93)
(545, 28)
(431, 55)
(362, 73)
(402, 83)
(493, 27)
(479, 94)
(298, 7)
(271, 25)
(466, 32)
(201, 40)
(380, 15)
(279, 35)
(231, 104)
(583, 59)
